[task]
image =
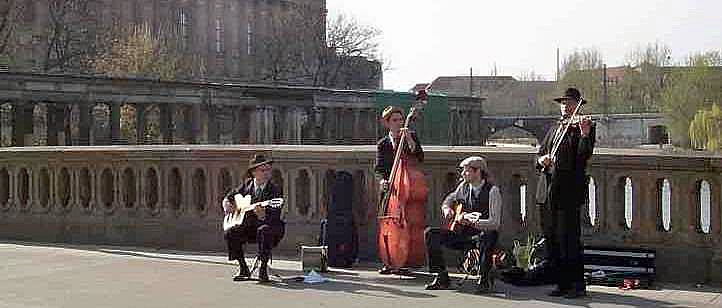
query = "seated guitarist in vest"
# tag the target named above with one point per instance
(479, 219)
(262, 225)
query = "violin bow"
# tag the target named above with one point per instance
(558, 142)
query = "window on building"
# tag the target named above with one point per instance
(704, 206)
(219, 35)
(249, 37)
(592, 201)
(666, 200)
(522, 201)
(185, 28)
(628, 193)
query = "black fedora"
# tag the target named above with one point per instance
(571, 94)
(257, 161)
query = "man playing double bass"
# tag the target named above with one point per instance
(476, 223)
(393, 120)
(262, 225)
(562, 159)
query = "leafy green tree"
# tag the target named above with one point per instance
(704, 131)
(581, 69)
(689, 89)
(643, 82)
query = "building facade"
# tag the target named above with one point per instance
(237, 40)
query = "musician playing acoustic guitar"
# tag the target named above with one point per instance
(479, 218)
(263, 225)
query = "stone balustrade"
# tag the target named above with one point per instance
(63, 110)
(168, 196)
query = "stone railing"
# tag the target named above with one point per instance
(168, 196)
(64, 110)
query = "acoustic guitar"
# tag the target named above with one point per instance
(458, 210)
(458, 213)
(243, 205)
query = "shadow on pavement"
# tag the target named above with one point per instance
(363, 280)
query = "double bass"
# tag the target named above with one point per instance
(402, 210)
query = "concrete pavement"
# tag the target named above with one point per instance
(46, 275)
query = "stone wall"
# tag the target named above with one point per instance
(168, 196)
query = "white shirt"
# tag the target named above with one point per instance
(256, 187)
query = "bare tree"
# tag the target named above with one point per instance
(583, 69)
(9, 24)
(353, 44)
(295, 50)
(137, 51)
(71, 35)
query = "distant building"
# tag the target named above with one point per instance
(503, 94)
(229, 36)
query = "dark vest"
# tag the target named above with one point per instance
(474, 204)
(481, 203)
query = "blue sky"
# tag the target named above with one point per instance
(423, 39)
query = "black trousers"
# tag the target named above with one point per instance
(437, 237)
(563, 230)
(565, 249)
(267, 236)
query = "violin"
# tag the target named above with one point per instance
(576, 120)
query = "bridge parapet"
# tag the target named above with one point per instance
(168, 196)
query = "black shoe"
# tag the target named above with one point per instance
(441, 282)
(575, 294)
(243, 272)
(263, 274)
(386, 270)
(557, 293)
(483, 285)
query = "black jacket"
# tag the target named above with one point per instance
(385, 155)
(271, 191)
(567, 178)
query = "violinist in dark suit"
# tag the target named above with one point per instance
(263, 225)
(393, 120)
(565, 173)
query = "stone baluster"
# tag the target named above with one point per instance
(212, 125)
(167, 123)
(196, 131)
(33, 194)
(140, 110)
(23, 123)
(85, 124)
(115, 137)
(55, 118)
(270, 124)
(237, 124)
(316, 125)
(12, 193)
